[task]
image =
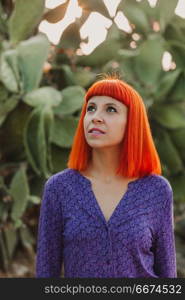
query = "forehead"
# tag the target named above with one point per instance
(104, 100)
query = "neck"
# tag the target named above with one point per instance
(104, 164)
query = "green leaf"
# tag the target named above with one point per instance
(95, 5)
(18, 223)
(3, 93)
(11, 57)
(148, 62)
(166, 84)
(125, 53)
(171, 116)
(84, 76)
(127, 69)
(178, 138)
(34, 199)
(70, 37)
(3, 23)
(26, 237)
(168, 152)
(28, 13)
(177, 49)
(98, 57)
(2, 208)
(31, 132)
(56, 14)
(166, 11)
(37, 139)
(135, 14)
(7, 75)
(43, 96)
(32, 55)
(72, 100)
(151, 12)
(63, 131)
(11, 239)
(68, 75)
(178, 91)
(175, 30)
(4, 255)
(19, 190)
(7, 106)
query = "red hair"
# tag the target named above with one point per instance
(138, 156)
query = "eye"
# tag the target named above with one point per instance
(88, 108)
(111, 107)
(108, 108)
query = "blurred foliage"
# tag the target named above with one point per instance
(41, 94)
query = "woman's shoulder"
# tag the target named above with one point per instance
(64, 176)
(159, 181)
(160, 189)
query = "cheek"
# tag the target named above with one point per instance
(121, 128)
(119, 124)
(85, 122)
(123, 125)
(123, 122)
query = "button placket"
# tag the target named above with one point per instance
(108, 261)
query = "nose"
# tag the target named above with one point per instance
(97, 119)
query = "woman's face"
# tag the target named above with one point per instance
(109, 115)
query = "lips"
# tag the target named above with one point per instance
(96, 130)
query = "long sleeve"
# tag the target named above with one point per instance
(165, 252)
(49, 241)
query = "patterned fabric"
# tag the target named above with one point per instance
(137, 241)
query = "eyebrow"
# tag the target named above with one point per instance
(105, 103)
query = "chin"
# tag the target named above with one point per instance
(100, 145)
(95, 145)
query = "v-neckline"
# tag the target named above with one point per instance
(124, 196)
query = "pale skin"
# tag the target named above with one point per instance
(110, 115)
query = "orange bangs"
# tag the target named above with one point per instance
(138, 156)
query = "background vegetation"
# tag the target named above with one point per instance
(40, 106)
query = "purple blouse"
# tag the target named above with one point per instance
(137, 241)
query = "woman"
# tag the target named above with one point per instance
(110, 213)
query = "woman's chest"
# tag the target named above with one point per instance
(108, 197)
(131, 226)
(91, 210)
